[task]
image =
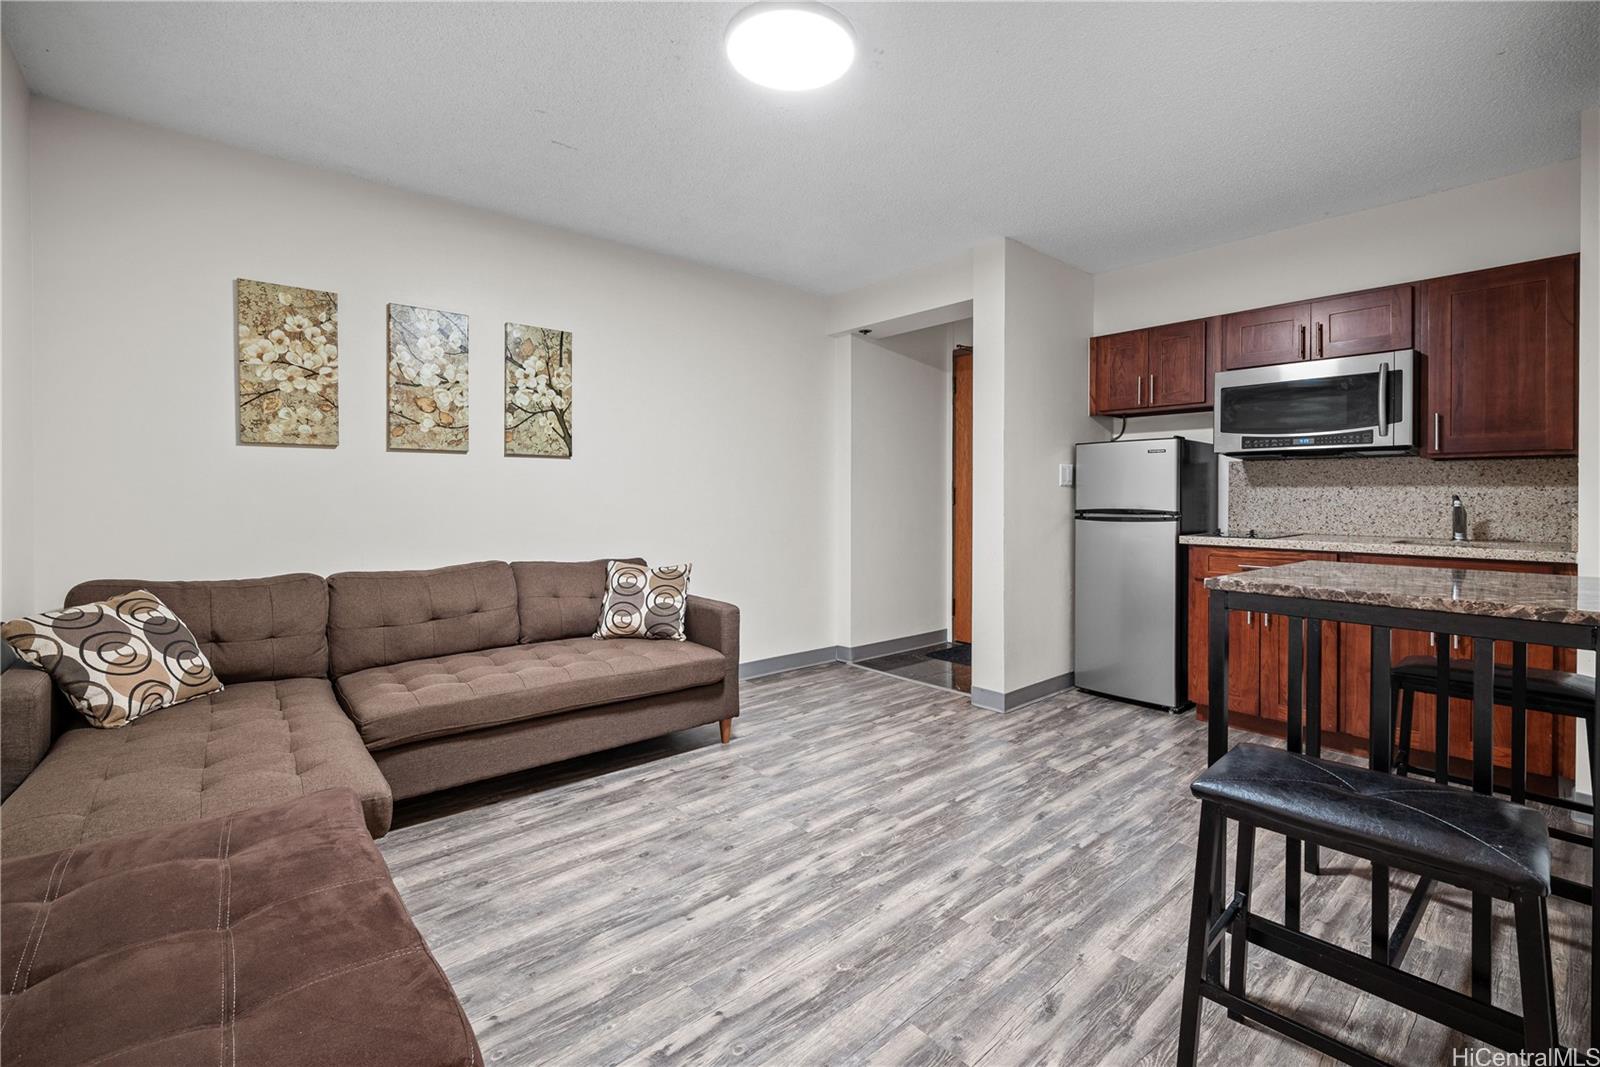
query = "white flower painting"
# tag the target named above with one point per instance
(538, 392)
(427, 380)
(288, 363)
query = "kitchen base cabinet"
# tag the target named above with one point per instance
(1548, 754)
(1258, 645)
(1258, 670)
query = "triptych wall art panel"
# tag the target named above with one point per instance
(427, 380)
(538, 391)
(288, 376)
(288, 364)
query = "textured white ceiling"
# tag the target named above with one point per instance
(1103, 134)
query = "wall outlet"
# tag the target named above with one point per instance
(1064, 476)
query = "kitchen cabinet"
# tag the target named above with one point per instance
(1258, 667)
(1258, 645)
(1145, 372)
(1502, 361)
(1548, 754)
(1378, 320)
(1375, 320)
(1177, 367)
(1117, 366)
(1265, 336)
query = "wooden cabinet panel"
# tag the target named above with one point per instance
(1378, 320)
(1502, 361)
(1177, 365)
(1258, 650)
(1118, 363)
(1274, 675)
(1265, 336)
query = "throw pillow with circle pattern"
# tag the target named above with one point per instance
(645, 601)
(117, 660)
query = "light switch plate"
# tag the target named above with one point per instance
(1064, 476)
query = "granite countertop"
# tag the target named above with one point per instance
(1442, 548)
(1558, 598)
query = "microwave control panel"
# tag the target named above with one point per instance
(1360, 437)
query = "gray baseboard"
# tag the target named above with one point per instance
(760, 668)
(993, 700)
(895, 644)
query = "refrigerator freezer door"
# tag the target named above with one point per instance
(1125, 609)
(1129, 475)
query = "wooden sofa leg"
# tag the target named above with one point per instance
(727, 730)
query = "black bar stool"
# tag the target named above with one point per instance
(1462, 838)
(1553, 692)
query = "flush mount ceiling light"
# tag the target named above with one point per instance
(790, 46)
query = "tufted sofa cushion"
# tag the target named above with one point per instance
(558, 600)
(252, 743)
(251, 629)
(268, 937)
(376, 618)
(425, 698)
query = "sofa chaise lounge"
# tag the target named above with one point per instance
(389, 683)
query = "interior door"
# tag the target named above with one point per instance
(961, 506)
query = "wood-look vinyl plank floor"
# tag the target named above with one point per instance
(875, 872)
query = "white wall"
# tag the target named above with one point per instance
(1031, 326)
(1525, 216)
(16, 475)
(1049, 306)
(938, 293)
(1589, 386)
(702, 397)
(900, 490)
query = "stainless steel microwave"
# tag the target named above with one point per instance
(1364, 404)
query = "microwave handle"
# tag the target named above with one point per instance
(1383, 400)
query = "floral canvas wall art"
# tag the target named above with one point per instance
(427, 380)
(288, 364)
(538, 391)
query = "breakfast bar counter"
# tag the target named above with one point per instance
(1489, 606)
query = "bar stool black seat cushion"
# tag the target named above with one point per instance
(1464, 837)
(1561, 692)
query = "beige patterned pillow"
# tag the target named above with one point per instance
(644, 601)
(117, 660)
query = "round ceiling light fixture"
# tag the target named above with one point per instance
(791, 46)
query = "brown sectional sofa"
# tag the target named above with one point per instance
(389, 683)
(272, 936)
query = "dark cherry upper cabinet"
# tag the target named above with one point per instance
(1265, 336)
(1148, 372)
(1118, 363)
(1502, 361)
(1378, 320)
(1177, 366)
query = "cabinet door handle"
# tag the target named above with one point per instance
(1249, 618)
(1438, 423)
(1431, 641)
(1152, 388)
(1138, 391)
(1319, 340)
(1302, 342)
(1266, 622)
(1455, 641)
(1252, 566)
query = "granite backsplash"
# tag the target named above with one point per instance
(1406, 496)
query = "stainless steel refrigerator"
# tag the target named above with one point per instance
(1129, 580)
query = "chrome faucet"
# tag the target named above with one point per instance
(1458, 518)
